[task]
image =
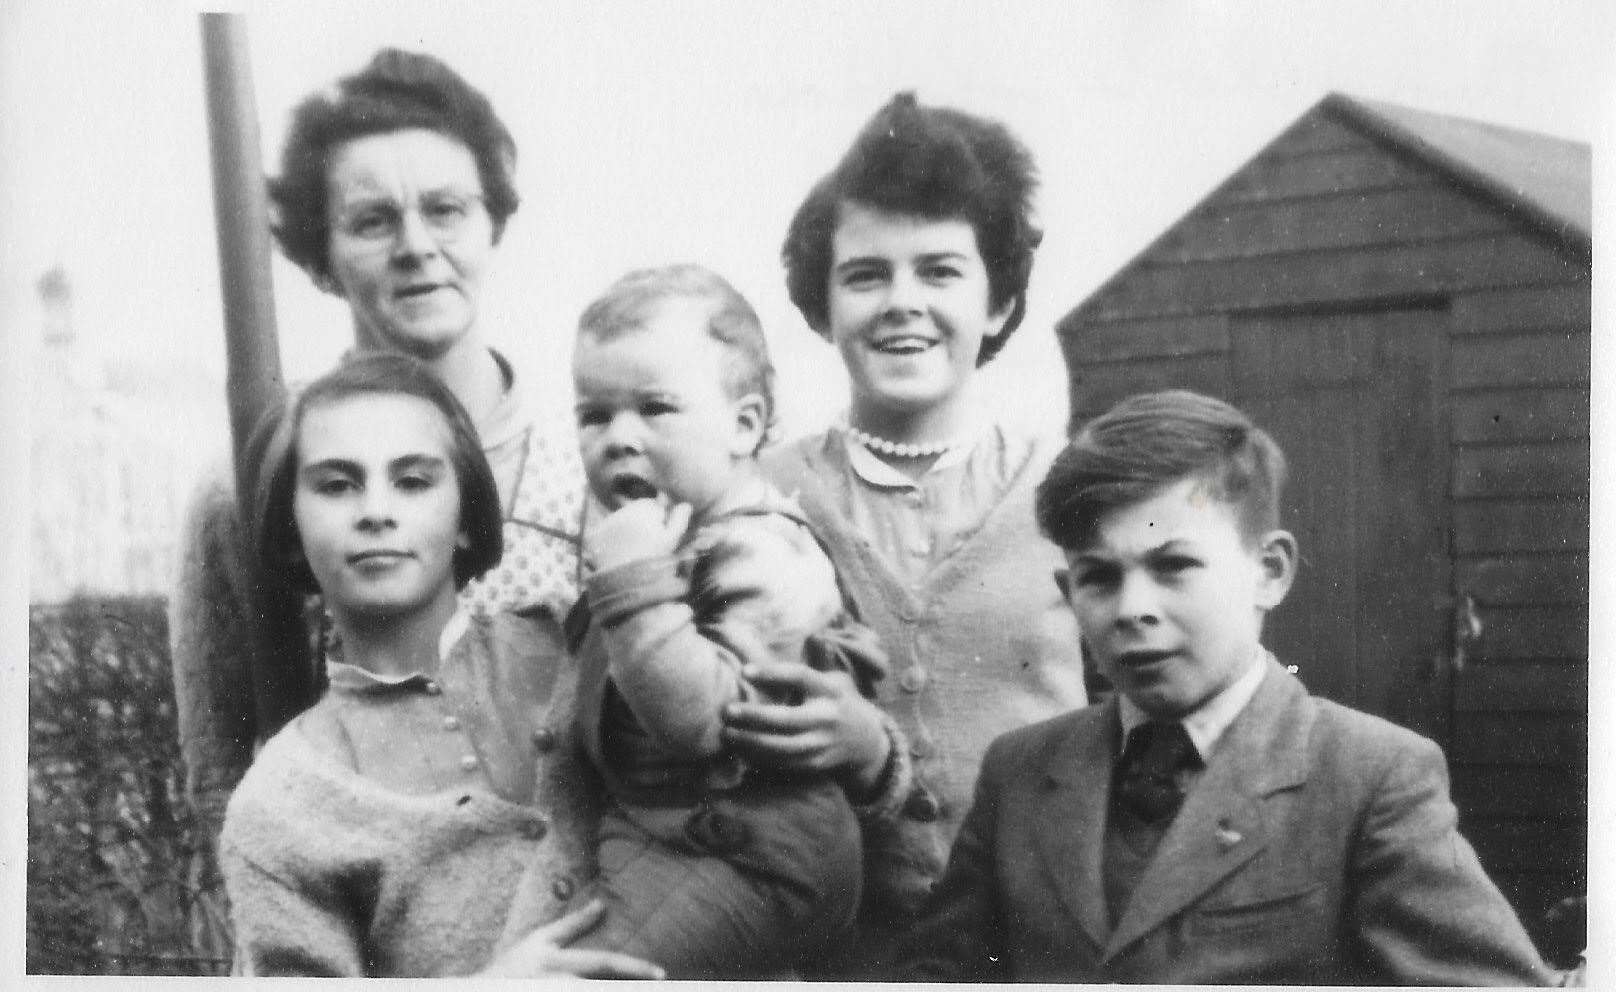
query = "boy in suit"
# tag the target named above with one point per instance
(1212, 822)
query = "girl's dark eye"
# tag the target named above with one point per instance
(1174, 564)
(940, 273)
(333, 486)
(592, 418)
(414, 483)
(657, 408)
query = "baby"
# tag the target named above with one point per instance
(711, 868)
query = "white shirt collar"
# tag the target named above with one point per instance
(1205, 726)
(344, 675)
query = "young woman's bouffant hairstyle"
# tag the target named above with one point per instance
(1149, 442)
(272, 452)
(931, 162)
(397, 91)
(630, 302)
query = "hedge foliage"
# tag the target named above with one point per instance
(120, 874)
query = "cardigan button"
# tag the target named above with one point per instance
(544, 739)
(468, 762)
(432, 688)
(535, 829)
(451, 722)
(563, 888)
(913, 679)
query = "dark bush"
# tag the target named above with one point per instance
(120, 874)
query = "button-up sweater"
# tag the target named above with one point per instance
(982, 643)
(416, 826)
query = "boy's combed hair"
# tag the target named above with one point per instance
(1150, 441)
(931, 162)
(272, 453)
(632, 301)
(397, 91)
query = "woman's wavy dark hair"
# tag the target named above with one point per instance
(397, 91)
(273, 457)
(932, 162)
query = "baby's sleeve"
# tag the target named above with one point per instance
(677, 631)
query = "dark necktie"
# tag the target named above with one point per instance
(1147, 781)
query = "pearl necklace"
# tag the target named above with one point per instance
(881, 445)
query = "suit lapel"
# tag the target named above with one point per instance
(1221, 825)
(1069, 818)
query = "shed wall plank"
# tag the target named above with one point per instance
(1545, 468)
(1544, 359)
(1328, 277)
(1524, 308)
(1494, 791)
(1349, 170)
(1524, 580)
(1528, 632)
(1537, 846)
(1520, 739)
(1349, 221)
(1100, 386)
(1543, 414)
(1175, 336)
(1496, 526)
(1509, 687)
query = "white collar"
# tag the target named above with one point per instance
(345, 675)
(1206, 725)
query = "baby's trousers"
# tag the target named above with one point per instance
(745, 884)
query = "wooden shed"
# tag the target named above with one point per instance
(1402, 299)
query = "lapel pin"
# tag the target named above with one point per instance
(1227, 835)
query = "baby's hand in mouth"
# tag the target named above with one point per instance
(640, 528)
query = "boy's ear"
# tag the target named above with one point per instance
(1277, 556)
(751, 423)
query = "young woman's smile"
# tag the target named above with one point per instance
(909, 312)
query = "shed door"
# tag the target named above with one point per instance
(1351, 398)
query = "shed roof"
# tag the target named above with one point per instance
(1545, 179)
(1544, 182)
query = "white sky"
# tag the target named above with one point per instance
(656, 132)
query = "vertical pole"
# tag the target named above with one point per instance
(240, 208)
(283, 679)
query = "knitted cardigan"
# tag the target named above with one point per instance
(984, 644)
(330, 873)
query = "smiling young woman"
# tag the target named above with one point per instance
(912, 257)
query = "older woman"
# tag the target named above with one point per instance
(912, 258)
(395, 187)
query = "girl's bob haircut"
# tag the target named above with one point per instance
(273, 457)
